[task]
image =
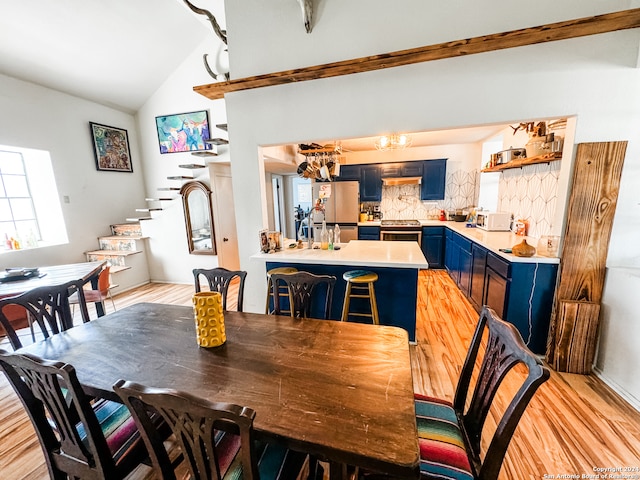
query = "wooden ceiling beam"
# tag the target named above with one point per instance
(609, 22)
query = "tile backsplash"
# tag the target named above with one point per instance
(530, 192)
(402, 202)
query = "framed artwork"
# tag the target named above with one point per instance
(111, 148)
(183, 132)
(263, 235)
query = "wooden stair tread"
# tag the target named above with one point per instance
(180, 177)
(167, 189)
(116, 269)
(217, 141)
(192, 166)
(205, 153)
(122, 237)
(222, 126)
(141, 219)
(113, 253)
(148, 209)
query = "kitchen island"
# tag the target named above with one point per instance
(396, 263)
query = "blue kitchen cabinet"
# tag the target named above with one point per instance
(370, 183)
(433, 240)
(464, 263)
(520, 292)
(401, 169)
(450, 255)
(369, 233)
(478, 269)
(348, 173)
(434, 173)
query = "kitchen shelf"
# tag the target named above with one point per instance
(523, 162)
(315, 151)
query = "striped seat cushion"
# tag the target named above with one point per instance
(442, 452)
(274, 461)
(118, 427)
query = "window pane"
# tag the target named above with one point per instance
(11, 162)
(22, 209)
(16, 185)
(5, 211)
(28, 233)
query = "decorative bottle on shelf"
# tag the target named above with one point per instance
(330, 236)
(336, 234)
(324, 236)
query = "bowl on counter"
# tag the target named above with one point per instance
(459, 218)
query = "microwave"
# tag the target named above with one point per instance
(494, 221)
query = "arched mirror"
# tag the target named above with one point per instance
(196, 200)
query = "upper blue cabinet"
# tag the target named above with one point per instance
(370, 183)
(434, 174)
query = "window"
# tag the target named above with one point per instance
(17, 216)
(30, 212)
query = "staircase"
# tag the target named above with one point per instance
(120, 248)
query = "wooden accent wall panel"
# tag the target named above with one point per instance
(592, 205)
(576, 336)
(580, 27)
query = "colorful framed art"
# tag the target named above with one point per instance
(111, 148)
(183, 132)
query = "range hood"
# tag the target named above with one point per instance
(391, 181)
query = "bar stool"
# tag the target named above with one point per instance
(284, 292)
(360, 285)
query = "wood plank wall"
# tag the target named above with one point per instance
(592, 205)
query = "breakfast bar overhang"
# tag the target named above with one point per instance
(396, 263)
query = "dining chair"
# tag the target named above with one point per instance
(219, 280)
(80, 438)
(216, 440)
(306, 291)
(47, 307)
(450, 436)
(102, 293)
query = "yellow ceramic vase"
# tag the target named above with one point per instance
(209, 317)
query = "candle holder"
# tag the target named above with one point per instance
(209, 318)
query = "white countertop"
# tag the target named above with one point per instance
(357, 253)
(492, 241)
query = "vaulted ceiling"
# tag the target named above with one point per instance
(115, 53)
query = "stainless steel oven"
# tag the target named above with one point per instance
(401, 231)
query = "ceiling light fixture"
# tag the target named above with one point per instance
(393, 141)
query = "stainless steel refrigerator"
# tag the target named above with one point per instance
(341, 207)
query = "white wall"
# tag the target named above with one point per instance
(595, 78)
(36, 117)
(167, 243)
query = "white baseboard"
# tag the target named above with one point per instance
(630, 399)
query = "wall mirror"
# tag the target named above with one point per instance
(198, 217)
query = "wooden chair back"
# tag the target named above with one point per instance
(47, 307)
(194, 423)
(219, 280)
(504, 350)
(56, 404)
(104, 281)
(305, 291)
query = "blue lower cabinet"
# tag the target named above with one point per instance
(396, 293)
(433, 240)
(520, 293)
(369, 233)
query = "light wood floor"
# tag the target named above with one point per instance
(573, 425)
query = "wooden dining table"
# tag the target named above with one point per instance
(53, 275)
(341, 391)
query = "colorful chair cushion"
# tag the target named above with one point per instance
(442, 451)
(274, 461)
(117, 425)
